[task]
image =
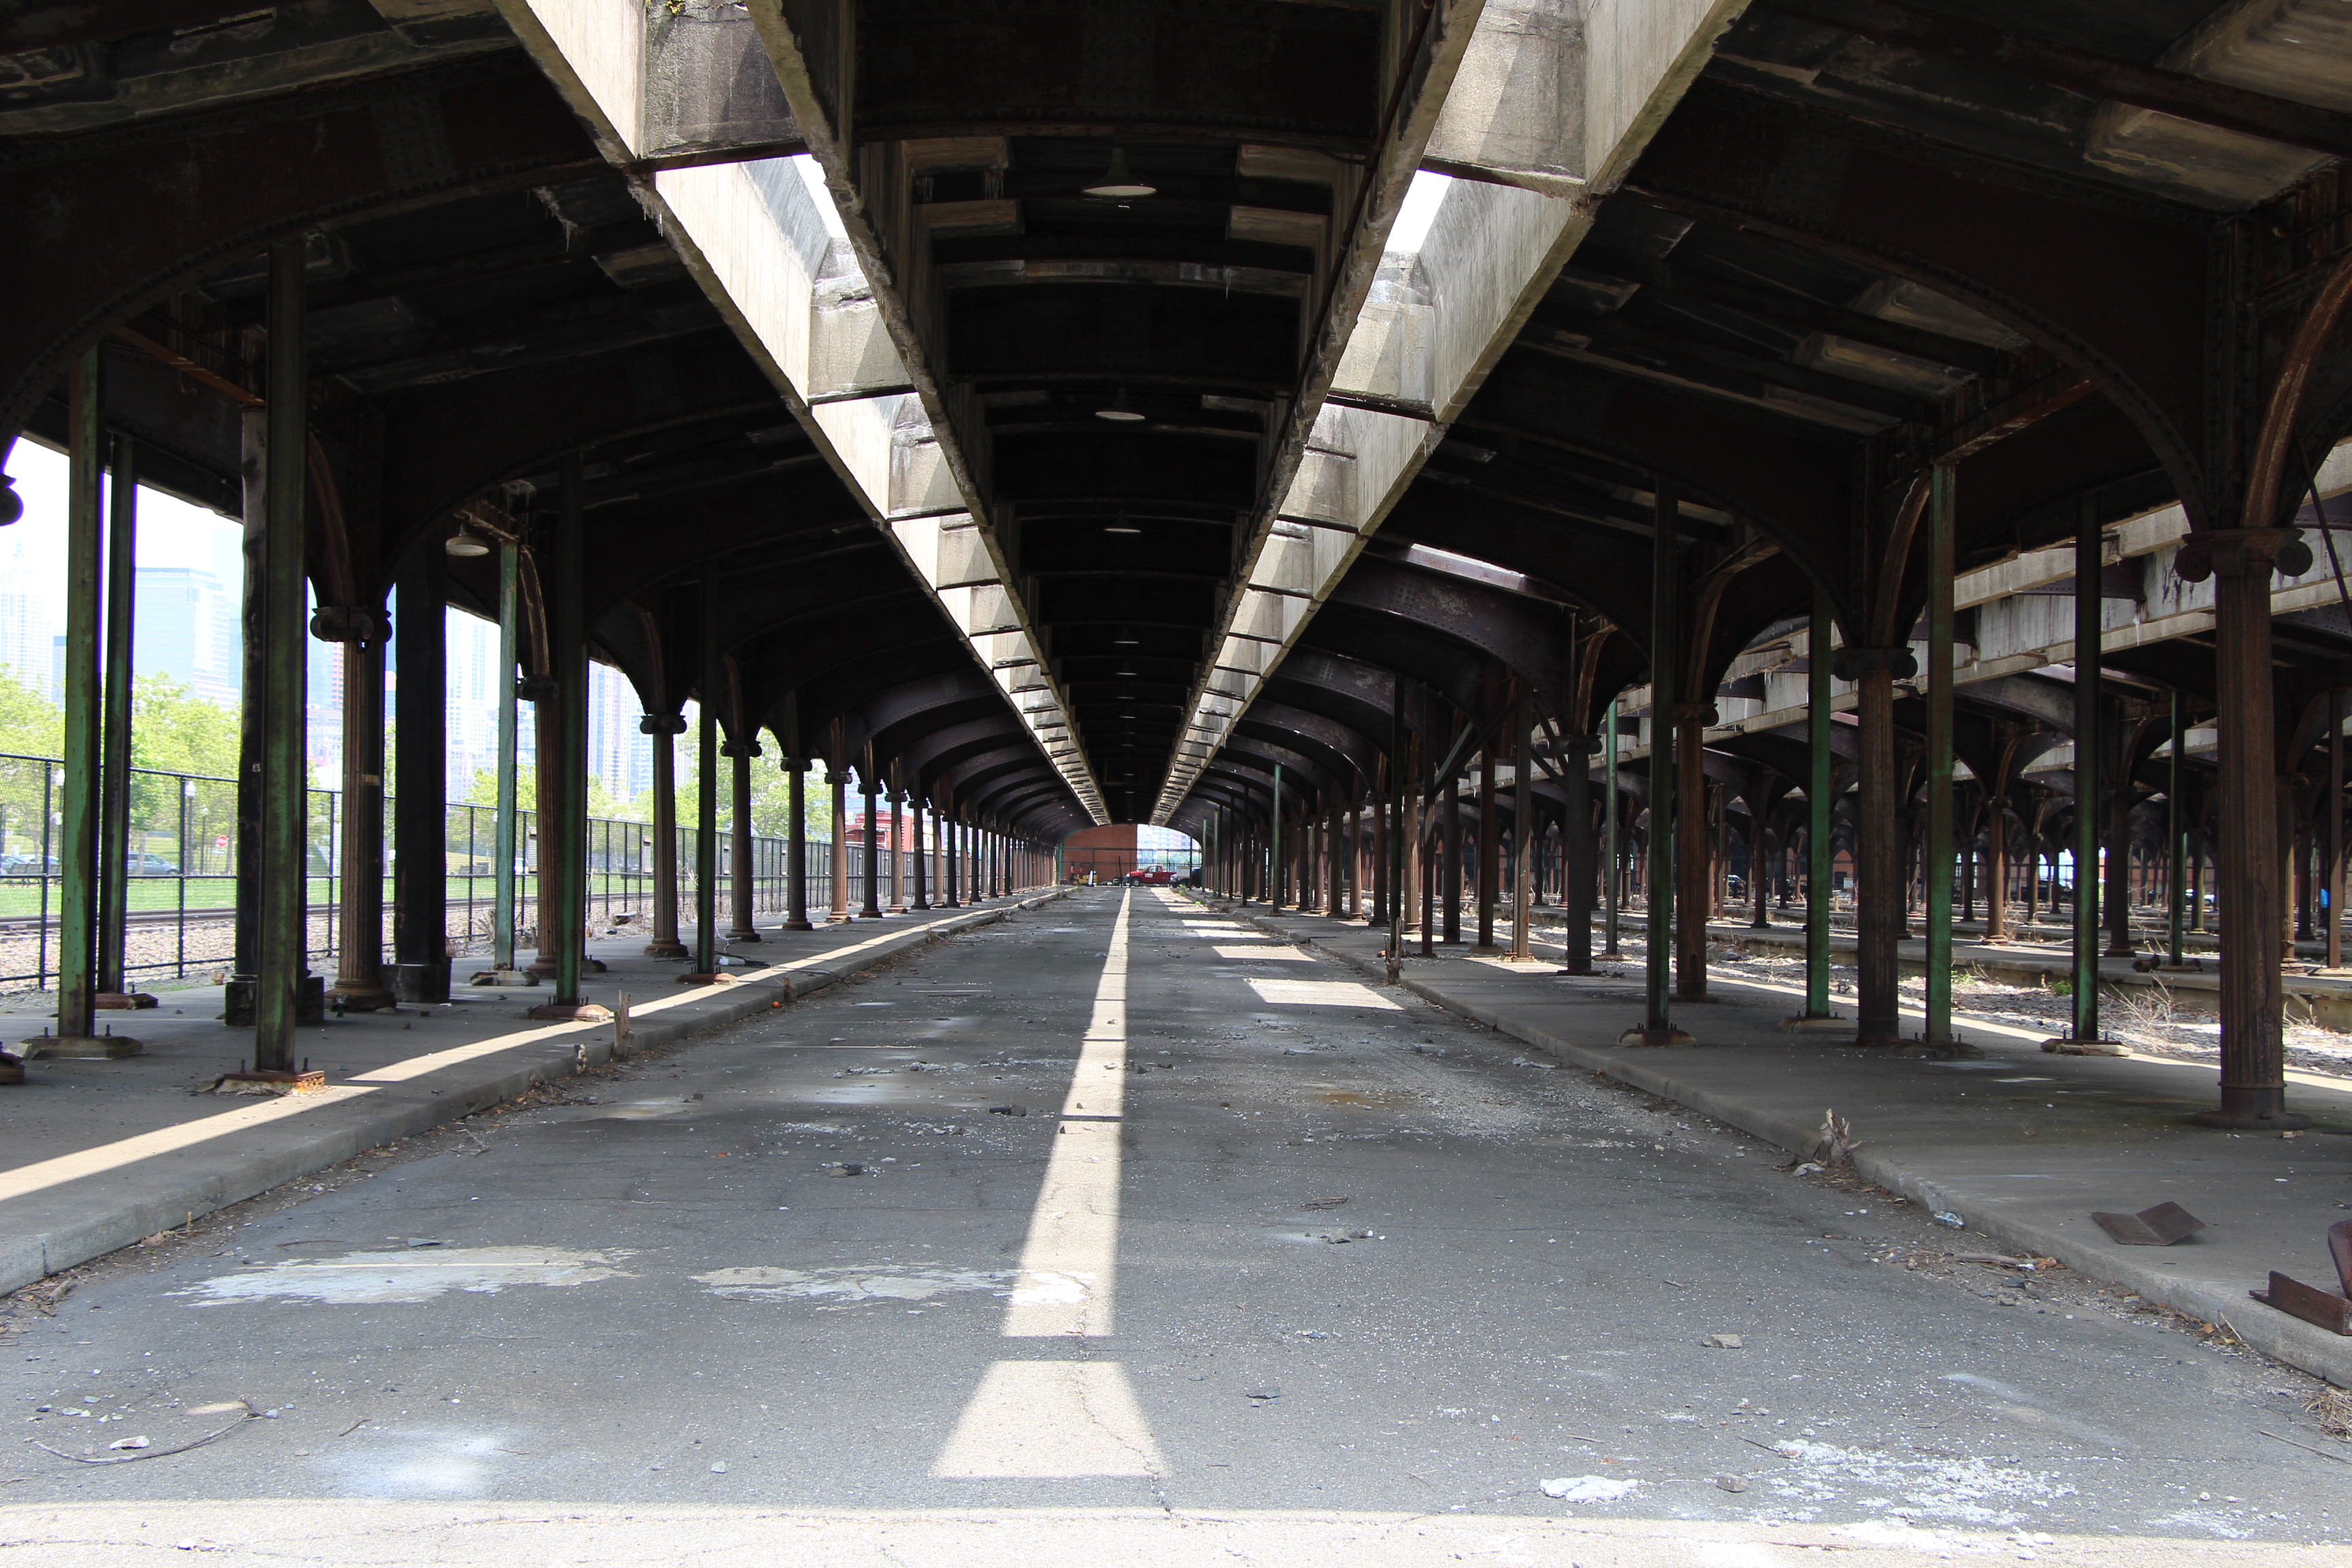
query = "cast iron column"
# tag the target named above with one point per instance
(922, 880)
(708, 686)
(285, 774)
(838, 781)
(1996, 869)
(871, 909)
(2253, 1083)
(949, 830)
(420, 809)
(1489, 868)
(1878, 862)
(740, 866)
(252, 728)
(1611, 849)
(1273, 857)
(1694, 860)
(664, 729)
(79, 800)
(2176, 824)
(563, 766)
(358, 957)
(1665, 657)
(114, 789)
(1938, 848)
(1576, 848)
(897, 856)
(796, 846)
(505, 824)
(1524, 833)
(2090, 798)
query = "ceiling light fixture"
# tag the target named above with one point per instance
(1118, 410)
(465, 542)
(1119, 182)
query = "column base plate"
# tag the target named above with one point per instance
(83, 1047)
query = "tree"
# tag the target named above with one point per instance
(484, 791)
(173, 731)
(772, 793)
(30, 725)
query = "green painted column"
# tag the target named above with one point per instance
(420, 808)
(563, 764)
(114, 828)
(503, 826)
(1273, 858)
(2175, 891)
(282, 970)
(79, 801)
(1612, 876)
(709, 687)
(1666, 696)
(1939, 848)
(2088, 793)
(1820, 774)
(1398, 783)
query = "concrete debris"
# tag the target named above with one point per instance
(1323, 1202)
(1270, 1391)
(1952, 1221)
(129, 1443)
(844, 1170)
(1809, 1168)
(1588, 1488)
(1731, 1483)
(1725, 1342)
(1837, 1140)
(1008, 1110)
(719, 1469)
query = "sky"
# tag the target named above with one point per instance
(171, 531)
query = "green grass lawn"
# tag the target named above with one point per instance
(20, 897)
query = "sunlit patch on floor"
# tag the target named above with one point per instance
(413, 1275)
(1321, 994)
(1364, 1097)
(1052, 1420)
(423, 1462)
(1263, 954)
(1965, 1490)
(849, 1286)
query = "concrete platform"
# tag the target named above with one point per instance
(2022, 1145)
(2319, 998)
(103, 1152)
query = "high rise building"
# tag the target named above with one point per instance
(619, 753)
(29, 618)
(186, 629)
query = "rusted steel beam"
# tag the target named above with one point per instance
(1878, 847)
(1802, 310)
(2117, 285)
(59, 23)
(2182, 96)
(131, 211)
(2253, 1065)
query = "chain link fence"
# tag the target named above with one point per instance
(181, 863)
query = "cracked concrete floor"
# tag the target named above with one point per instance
(1269, 1264)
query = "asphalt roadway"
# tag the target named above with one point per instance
(1251, 1260)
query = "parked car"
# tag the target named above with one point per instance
(26, 864)
(145, 865)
